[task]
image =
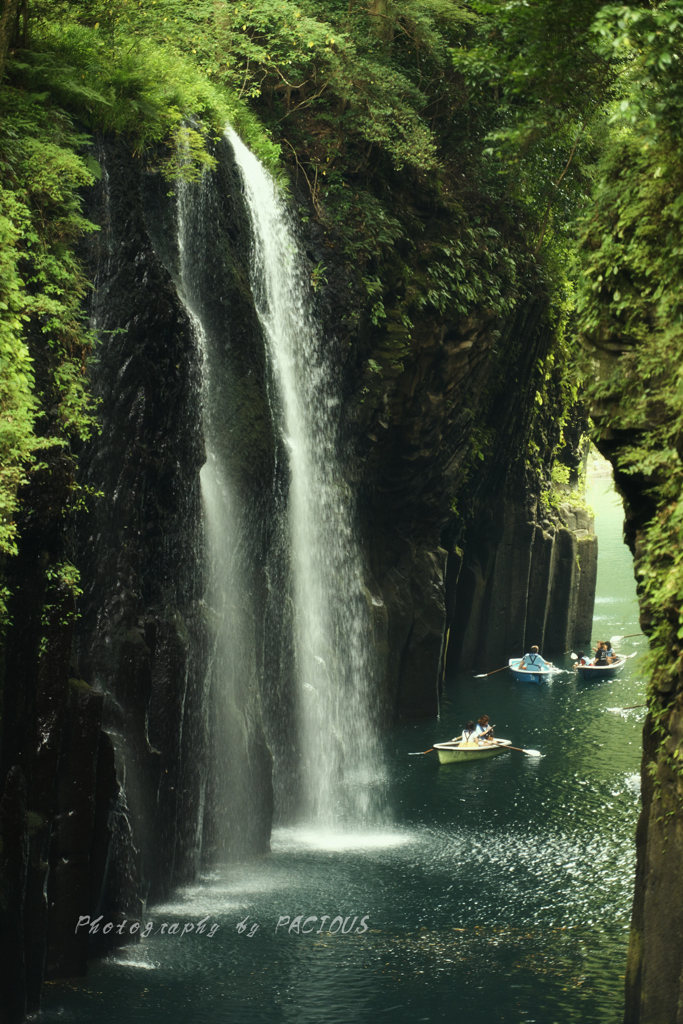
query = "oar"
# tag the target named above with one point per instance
(412, 753)
(614, 639)
(482, 675)
(532, 753)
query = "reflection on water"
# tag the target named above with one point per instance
(501, 892)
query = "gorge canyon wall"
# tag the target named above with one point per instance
(109, 750)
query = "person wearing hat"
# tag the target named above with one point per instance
(533, 660)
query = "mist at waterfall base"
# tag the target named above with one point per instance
(501, 892)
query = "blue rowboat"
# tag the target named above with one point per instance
(600, 671)
(525, 675)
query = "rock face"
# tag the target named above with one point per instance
(523, 583)
(143, 640)
(470, 568)
(52, 779)
(654, 968)
(119, 801)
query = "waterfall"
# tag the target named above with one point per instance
(235, 809)
(341, 761)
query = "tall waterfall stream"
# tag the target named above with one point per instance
(334, 659)
(498, 890)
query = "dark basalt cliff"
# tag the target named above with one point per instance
(470, 589)
(107, 743)
(654, 980)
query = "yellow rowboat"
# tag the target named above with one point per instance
(457, 751)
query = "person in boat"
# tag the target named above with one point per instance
(601, 655)
(581, 659)
(469, 733)
(533, 660)
(611, 656)
(484, 731)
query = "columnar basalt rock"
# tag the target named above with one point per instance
(143, 639)
(443, 454)
(521, 584)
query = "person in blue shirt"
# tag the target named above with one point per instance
(534, 660)
(484, 731)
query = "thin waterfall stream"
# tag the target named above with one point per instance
(228, 554)
(341, 770)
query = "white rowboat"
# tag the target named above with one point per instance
(600, 671)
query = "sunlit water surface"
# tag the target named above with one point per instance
(501, 892)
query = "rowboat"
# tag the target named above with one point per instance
(525, 675)
(473, 751)
(599, 671)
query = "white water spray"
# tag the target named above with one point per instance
(231, 672)
(334, 662)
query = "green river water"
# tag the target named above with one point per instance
(501, 890)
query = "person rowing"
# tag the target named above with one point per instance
(601, 657)
(533, 661)
(484, 731)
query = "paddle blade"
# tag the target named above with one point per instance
(482, 675)
(574, 657)
(533, 753)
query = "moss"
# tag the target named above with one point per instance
(80, 685)
(36, 823)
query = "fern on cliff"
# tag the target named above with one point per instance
(116, 82)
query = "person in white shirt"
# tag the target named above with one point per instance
(469, 734)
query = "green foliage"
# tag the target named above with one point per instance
(559, 474)
(18, 403)
(42, 288)
(540, 74)
(631, 311)
(121, 82)
(338, 66)
(647, 41)
(63, 589)
(90, 61)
